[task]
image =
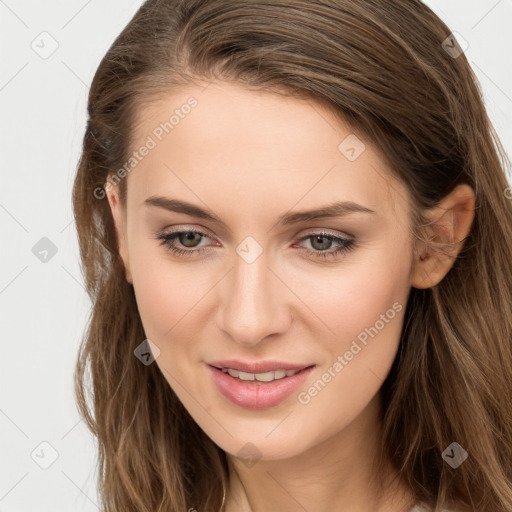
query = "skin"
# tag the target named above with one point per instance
(249, 157)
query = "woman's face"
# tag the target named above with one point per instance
(259, 284)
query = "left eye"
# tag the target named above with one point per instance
(320, 242)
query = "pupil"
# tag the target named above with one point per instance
(189, 237)
(319, 239)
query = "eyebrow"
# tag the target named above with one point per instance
(336, 209)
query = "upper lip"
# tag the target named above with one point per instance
(258, 366)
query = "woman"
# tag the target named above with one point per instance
(295, 232)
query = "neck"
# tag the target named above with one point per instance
(344, 472)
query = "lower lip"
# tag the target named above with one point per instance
(254, 394)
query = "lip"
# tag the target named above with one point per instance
(258, 366)
(256, 394)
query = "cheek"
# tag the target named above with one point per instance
(360, 301)
(165, 292)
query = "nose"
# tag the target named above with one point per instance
(253, 305)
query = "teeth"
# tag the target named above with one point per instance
(262, 377)
(245, 376)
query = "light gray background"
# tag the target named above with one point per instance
(43, 305)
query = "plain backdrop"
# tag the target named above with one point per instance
(49, 53)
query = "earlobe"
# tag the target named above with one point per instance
(120, 228)
(442, 237)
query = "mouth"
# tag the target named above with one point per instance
(258, 389)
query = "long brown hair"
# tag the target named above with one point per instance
(386, 68)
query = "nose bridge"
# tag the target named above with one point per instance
(252, 307)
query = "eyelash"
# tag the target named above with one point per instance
(347, 244)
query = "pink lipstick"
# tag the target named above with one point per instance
(258, 385)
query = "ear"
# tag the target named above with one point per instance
(448, 224)
(119, 217)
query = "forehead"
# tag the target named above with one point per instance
(224, 139)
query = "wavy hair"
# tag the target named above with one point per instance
(386, 69)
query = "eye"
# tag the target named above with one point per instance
(322, 242)
(189, 238)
